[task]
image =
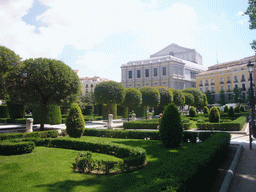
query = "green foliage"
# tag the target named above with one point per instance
(133, 97)
(150, 96)
(178, 97)
(189, 99)
(251, 11)
(171, 130)
(218, 109)
(109, 92)
(113, 111)
(237, 109)
(53, 114)
(237, 97)
(214, 116)
(15, 148)
(231, 112)
(222, 100)
(9, 61)
(140, 111)
(206, 111)
(15, 110)
(141, 124)
(192, 112)
(242, 109)
(226, 109)
(166, 97)
(209, 97)
(198, 96)
(75, 122)
(4, 111)
(46, 81)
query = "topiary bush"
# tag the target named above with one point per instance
(206, 111)
(218, 109)
(237, 109)
(75, 124)
(192, 112)
(242, 109)
(214, 116)
(15, 110)
(226, 109)
(53, 114)
(231, 112)
(171, 130)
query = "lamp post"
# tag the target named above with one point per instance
(252, 123)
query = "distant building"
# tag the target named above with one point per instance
(88, 83)
(226, 76)
(174, 67)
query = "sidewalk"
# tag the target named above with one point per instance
(244, 177)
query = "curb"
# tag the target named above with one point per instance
(230, 173)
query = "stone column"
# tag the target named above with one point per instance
(29, 125)
(149, 115)
(110, 121)
(133, 116)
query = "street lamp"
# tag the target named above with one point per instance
(252, 123)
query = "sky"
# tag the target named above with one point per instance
(97, 36)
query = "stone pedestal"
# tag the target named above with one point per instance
(149, 115)
(133, 116)
(110, 121)
(29, 125)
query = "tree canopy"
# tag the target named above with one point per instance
(9, 61)
(178, 98)
(166, 97)
(189, 99)
(43, 81)
(251, 11)
(109, 92)
(198, 96)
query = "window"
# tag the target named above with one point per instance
(213, 90)
(164, 70)
(206, 83)
(146, 72)
(228, 80)
(236, 85)
(222, 88)
(229, 96)
(221, 80)
(201, 83)
(243, 79)
(212, 81)
(91, 85)
(243, 87)
(130, 74)
(235, 78)
(138, 73)
(201, 89)
(229, 87)
(206, 89)
(86, 91)
(155, 72)
(86, 86)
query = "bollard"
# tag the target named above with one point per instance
(110, 121)
(133, 116)
(29, 125)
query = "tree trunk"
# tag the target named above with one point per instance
(146, 112)
(128, 114)
(43, 115)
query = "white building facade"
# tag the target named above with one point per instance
(167, 67)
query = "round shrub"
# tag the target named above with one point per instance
(214, 116)
(192, 112)
(226, 109)
(237, 109)
(206, 111)
(218, 109)
(75, 124)
(231, 112)
(171, 131)
(242, 109)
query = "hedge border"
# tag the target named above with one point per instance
(14, 148)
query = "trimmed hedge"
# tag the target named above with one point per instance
(235, 125)
(15, 110)
(4, 111)
(53, 114)
(14, 148)
(142, 124)
(37, 134)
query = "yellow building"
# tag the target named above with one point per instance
(88, 83)
(226, 76)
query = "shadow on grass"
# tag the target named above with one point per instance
(156, 156)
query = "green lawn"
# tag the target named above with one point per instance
(50, 169)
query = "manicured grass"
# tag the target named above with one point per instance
(50, 169)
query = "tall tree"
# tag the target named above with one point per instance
(198, 96)
(9, 61)
(166, 97)
(178, 98)
(150, 97)
(237, 98)
(109, 93)
(189, 99)
(251, 11)
(43, 81)
(133, 98)
(222, 100)
(209, 97)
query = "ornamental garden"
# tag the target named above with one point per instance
(167, 154)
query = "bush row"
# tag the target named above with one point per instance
(38, 134)
(136, 156)
(188, 167)
(14, 148)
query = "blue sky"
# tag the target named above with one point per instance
(97, 37)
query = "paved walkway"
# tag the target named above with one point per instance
(244, 178)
